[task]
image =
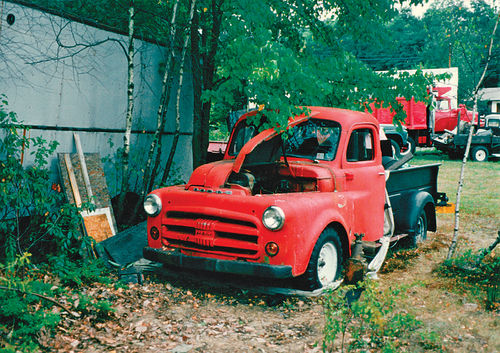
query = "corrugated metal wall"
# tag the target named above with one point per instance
(58, 79)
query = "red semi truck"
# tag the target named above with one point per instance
(291, 207)
(423, 123)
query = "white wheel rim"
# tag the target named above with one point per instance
(327, 264)
(420, 230)
(480, 155)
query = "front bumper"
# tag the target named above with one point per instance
(175, 258)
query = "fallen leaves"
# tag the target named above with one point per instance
(166, 318)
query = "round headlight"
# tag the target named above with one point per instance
(273, 218)
(152, 205)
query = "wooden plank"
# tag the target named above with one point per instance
(72, 180)
(83, 165)
(98, 223)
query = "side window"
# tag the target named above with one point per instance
(361, 146)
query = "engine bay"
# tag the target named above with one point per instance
(275, 178)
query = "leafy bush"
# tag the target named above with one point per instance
(33, 214)
(478, 275)
(36, 219)
(77, 273)
(28, 296)
(99, 310)
(24, 315)
(365, 318)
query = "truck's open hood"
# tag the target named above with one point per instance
(266, 147)
(263, 148)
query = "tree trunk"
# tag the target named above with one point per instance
(178, 98)
(156, 144)
(197, 90)
(130, 111)
(453, 245)
(204, 64)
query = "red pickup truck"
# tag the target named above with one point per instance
(289, 207)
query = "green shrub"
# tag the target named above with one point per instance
(35, 219)
(23, 314)
(34, 216)
(375, 321)
(77, 273)
(480, 276)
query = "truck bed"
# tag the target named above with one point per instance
(405, 182)
(461, 140)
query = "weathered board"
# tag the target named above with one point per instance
(100, 224)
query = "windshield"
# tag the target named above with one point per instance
(312, 139)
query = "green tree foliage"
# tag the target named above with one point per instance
(449, 34)
(277, 53)
(284, 54)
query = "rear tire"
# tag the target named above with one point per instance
(417, 237)
(479, 154)
(325, 264)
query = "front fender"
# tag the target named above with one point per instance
(311, 217)
(410, 208)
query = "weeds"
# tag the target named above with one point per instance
(30, 299)
(34, 217)
(36, 222)
(374, 322)
(481, 278)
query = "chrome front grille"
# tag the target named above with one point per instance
(218, 235)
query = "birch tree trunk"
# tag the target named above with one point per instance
(178, 98)
(203, 54)
(453, 245)
(156, 144)
(130, 111)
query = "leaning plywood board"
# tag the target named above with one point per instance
(98, 224)
(102, 223)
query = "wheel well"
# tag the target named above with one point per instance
(344, 239)
(430, 212)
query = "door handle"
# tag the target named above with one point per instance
(381, 173)
(349, 176)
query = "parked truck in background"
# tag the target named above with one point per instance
(423, 123)
(485, 142)
(290, 208)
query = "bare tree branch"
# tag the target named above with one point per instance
(52, 300)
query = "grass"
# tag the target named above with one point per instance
(481, 188)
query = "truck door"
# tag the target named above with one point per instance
(365, 181)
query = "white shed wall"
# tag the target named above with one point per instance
(83, 86)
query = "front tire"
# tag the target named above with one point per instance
(412, 146)
(479, 154)
(396, 150)
(325, 264)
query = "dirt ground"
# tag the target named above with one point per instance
(179, 315)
